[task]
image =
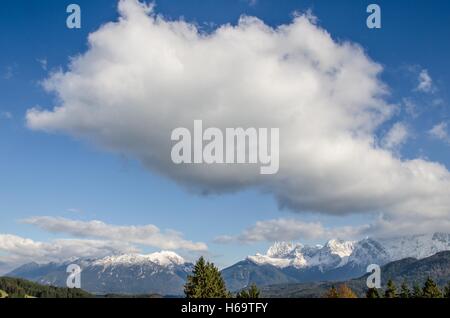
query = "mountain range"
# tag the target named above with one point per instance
(283, 264)
(161, 273)
(337, 260)
(408, 270)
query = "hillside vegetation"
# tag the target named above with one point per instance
(20, 288)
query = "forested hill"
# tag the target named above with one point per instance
(20, 288)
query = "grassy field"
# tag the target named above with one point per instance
(3, 294)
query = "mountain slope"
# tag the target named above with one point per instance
(159, 273)
(246, 272)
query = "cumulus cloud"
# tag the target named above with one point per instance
(16, 250)
(147, 235)
(291, 230)
(143, 76)
(396, 136)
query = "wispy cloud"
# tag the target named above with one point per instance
(290, 230)
(6, 115)
(43, 63)
(440, 131)
(396, 136)
(425, 82)
(8, 72)
(147, 235)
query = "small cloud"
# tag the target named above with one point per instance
(43, 62)
(440, 132)
(410, 107)
(8, 73)
(252, 3)
(425, 82)
(6, 115)
(396, 136)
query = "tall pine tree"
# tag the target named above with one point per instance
(404, 291)
(431, 290)
(252, 292)
(391, 290)
(447, 290)
(205, 282)
(417, 291)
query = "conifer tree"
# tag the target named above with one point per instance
(447, 291)
(372, 293)
(252, 292)
(417, 291)
(391, 290)
(431, 290)
(404, 291)
(205, 282)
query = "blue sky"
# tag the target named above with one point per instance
(58, 175)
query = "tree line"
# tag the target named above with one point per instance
(20, 288)
(206, 282)
(429, 290)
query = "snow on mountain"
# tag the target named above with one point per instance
(283, 254)
(163, 273)
(338, 253)
(417, 246)
(163, 258)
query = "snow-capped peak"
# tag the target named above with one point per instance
(281, 249)
(340, 247)
(337, 253)
(163, 258)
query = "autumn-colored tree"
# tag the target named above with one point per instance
(332, 293)
(345, 292)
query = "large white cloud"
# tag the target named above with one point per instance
(147, 235)
(143, 76)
